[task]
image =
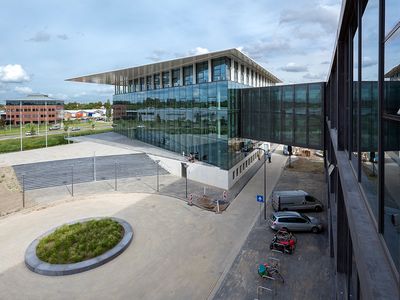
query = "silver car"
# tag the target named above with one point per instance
(294, 221)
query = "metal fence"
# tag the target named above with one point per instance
(74, 171)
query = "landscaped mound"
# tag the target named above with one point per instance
(80, 241)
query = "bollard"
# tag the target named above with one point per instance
(115, 174)
(190, 200)
(72, 181)
(23, 191)
(218, 211)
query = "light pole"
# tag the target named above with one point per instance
(265, 182)
(158, 180)
(185, 165)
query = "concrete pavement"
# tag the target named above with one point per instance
(178, 252)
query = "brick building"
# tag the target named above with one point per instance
(35, 108)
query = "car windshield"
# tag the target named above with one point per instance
(305, 217)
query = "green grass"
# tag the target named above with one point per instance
(35, 142)
(78, 242)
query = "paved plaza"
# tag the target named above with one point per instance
(178, 251)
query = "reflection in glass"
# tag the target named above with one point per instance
(392, 189)
(369, 104)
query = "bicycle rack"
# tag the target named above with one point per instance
(260, 289)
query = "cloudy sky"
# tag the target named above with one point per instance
(45, 42)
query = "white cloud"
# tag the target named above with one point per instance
(324, 15)
(23, 90)
(311, 76)
(13, 73)
(199, 50)
(63, 36)
(293, 67)
(40, 36)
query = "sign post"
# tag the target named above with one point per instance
(260, 199)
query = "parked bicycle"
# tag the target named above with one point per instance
(270, 271)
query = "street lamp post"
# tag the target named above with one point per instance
(185, 165)
(265, 182)
(158, 180)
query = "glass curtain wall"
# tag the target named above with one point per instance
(290, 114)
(369, 103)
(391, 130)
(186, 119)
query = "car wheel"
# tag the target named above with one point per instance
(271, 246)
(315, 230)
(318, 208)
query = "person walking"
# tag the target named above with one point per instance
(269, 156)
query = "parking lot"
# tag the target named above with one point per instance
(307, 272)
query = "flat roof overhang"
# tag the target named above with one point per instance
(115, 76)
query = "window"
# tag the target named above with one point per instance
(202, 72)
(235, 76)
(149, 83)
(176, 80)
(310, 198)
(165, 79)
(157, 84)
(188, 75)
(221, 67)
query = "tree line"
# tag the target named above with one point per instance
(91, 105)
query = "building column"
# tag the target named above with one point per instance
(232, 69)
(245, 81)
(209, 71)
(170, 77)
(194, 74)
(239, 70)
(181, 76)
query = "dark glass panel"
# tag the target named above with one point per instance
(188, 75)
(369, 104)
(392, 189)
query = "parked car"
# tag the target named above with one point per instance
(55, 127)
(295, 200)
(29, 133)
(294, 221)
(75, 128)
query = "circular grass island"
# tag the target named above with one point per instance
(78, 246)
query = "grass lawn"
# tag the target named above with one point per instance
(35, 142)
(78, 242)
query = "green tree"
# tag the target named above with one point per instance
(108, 107)
(2, 123)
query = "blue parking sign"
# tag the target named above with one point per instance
(260, 198)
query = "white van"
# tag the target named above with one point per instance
(266, 146)
(295, 200)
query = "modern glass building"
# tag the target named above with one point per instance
(211, 104)
(189, 105)
(362, 147)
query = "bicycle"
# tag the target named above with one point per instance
(270, 271)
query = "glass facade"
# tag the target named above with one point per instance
(362, 141)
(185, 119)
(291, 114)
(391, 131)
(200, 116)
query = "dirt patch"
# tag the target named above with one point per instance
(307, 165)
(10, 191)
(209, 203)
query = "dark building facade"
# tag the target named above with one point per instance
(362, 146)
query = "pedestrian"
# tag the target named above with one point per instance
(269, 156)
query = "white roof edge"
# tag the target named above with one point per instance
(109, 76)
